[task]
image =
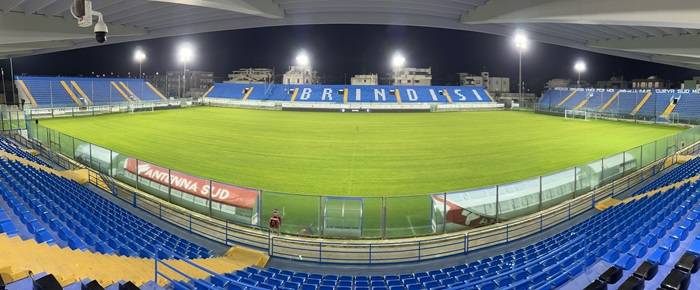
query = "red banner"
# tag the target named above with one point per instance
(223, 193)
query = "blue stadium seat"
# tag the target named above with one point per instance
(50, 92)
(78, 218)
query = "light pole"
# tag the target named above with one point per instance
(4, 94)
(520, 40)
(140, 56)
(12, 80)
(303, 61)
(397, 62)
(185, 54)
(579, 67)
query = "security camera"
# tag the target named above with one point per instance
(82, 11)
(100, 29)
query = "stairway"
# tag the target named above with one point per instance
(609, 102)
(582, 103)
(121, 92)
(71, 94)
(641, 103)
(81, 93)
(669, 109)
(567, 98)
(129, 91)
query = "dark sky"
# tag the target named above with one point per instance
(337, 50)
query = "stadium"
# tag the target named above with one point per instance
(401, 179)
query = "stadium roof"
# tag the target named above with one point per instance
(659, 31)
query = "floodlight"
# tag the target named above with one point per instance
(139, 56)
(185, 52)
(302, 59)
(520, 40)
(580, 66)
(398, 60)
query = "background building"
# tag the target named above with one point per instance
(251, 76)
(692, 84)
(411, 76)
(557, 83)
(651, 82)
(491, 84)
(613, 83)
(298, 75)
(195, 84)
(359, 80)
(467, 79)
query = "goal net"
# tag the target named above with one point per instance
(576, 114)
(343, 216)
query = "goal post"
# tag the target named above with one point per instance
(576, 114)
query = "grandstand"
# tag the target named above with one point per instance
(657, 105)
(63, 225)
(56, 92)
(345, 94)
(46, 206)
(653, 242)
(59, 213)
(65, 92)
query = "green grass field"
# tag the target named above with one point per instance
(358, 154)
(366, 155)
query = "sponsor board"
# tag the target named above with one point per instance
(223, 193)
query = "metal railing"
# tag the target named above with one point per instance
(117, 107)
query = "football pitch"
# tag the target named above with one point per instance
(376, 154)
(391, 155)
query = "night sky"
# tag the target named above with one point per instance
(339, 51)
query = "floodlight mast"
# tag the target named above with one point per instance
(579, 67)
(2, 72)
(185, 54)
(520, 41)
(397, 62)
(139, 56)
